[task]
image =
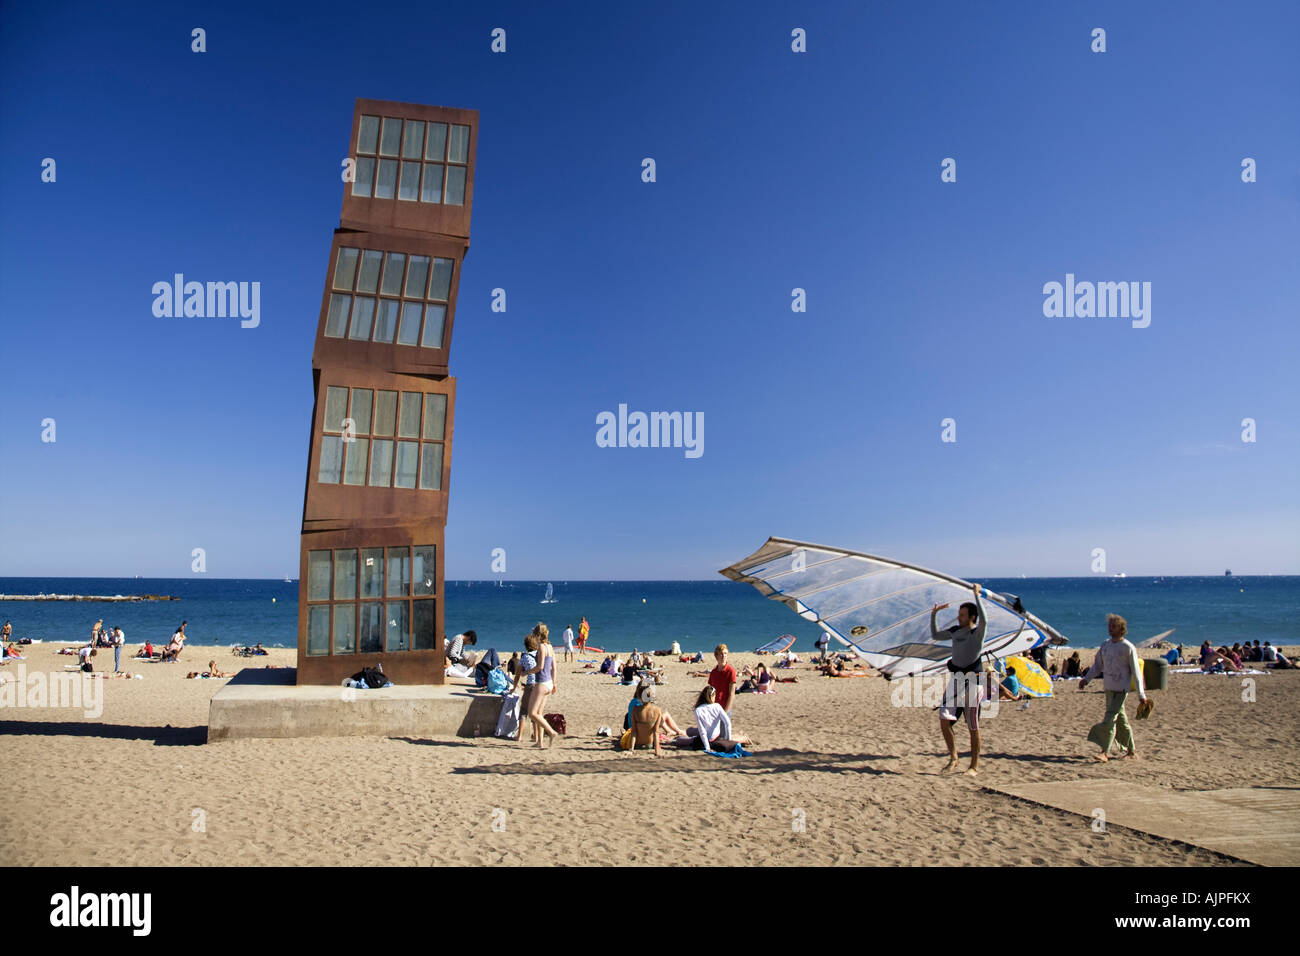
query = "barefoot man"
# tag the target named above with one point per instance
(1116, 664)
(965, 690)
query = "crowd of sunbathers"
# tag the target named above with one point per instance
(1218, 660)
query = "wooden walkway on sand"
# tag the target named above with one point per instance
(1256, 824)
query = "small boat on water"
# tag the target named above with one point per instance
(550, 595)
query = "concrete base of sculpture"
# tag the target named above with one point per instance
(268, 703)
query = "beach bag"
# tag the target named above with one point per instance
(557, 723)
(497, 682)
(508, 720)
(625, 742)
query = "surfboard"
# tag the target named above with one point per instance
(782, 643)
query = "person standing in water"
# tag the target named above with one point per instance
(1117, 664)
(965, 691)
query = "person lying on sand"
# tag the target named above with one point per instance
(214, 671)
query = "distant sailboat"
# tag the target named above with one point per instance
(1228, 573)
(550, 595)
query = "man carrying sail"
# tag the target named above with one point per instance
(965, 691)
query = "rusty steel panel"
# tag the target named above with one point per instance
(379, 451)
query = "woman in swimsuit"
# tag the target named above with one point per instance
(543, 673)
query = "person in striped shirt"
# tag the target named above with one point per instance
(456, 646)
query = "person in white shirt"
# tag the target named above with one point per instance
(568, 643)
(1117, 664)
(118, 640)
(713, 724)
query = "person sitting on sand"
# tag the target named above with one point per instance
(1073, 666)
(1283, 662)
(647, 723)
(1207, 655)
(1117, 664)
(1009, 689)
(764, 681)
(712, 730)
(173, 649)
(145, 652)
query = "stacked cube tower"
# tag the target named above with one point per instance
(375, 506)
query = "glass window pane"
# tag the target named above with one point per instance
(416, 276)
(368, 138)
(435, 416)
(372, 572)
(394, 263)
(336, 408)
(345, 628)
(436, 147)
(371, 638)
(345, 575)
(409, 333)
(423, 618)
(409, 188)
(386, 183)
(368, 281)
(435, 317)
(361, 400)
(408, 424)
(413, 139)
(345, 268)
(386, 320)
(361, 186)
(425, 570)
(318, 575)
(363, 312)
(404, 475)
(358, 456)
(318, 630)
(336, 322)
(381, 463)
(385, 412)
(431, 466)
(432, 191)
(459, 152)
(398, 627)
(440, 283)
(455, 186)
(331, 460)
(399, 572)
(392, 137)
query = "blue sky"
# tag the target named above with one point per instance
(775, 170)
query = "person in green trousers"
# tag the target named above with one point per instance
(1118, 666)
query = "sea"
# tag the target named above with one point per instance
(651, 615)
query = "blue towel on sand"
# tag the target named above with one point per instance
(738, 752)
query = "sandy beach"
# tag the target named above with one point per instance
(141, 786)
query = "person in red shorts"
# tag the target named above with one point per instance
(723, 678)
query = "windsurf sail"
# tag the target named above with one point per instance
(550, 594)
(879, 607)
(782, 643)
(1158, 639)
